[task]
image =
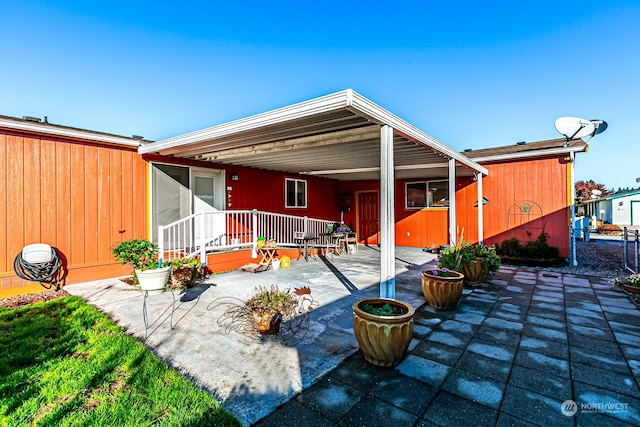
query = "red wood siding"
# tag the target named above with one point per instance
(542, 181)
(72, 195)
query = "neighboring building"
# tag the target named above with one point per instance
(82, 192)
(620, 209)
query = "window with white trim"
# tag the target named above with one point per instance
(426, 194)
(296, 193)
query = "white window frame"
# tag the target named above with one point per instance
(286, 193)
(428, 202)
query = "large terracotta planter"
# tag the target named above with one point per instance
(383, 340)
(441, 292)
(153, 281)
(473, 272)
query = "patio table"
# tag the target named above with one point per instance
(303, 243)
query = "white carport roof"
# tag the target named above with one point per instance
(335, 136)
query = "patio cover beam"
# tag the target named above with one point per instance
(341, 137)
(377, 169)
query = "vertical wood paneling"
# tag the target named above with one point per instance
(126, 195)
(115, 191)
(90, 203)
(103, 206)
(15, 195)
(542, 181)
(4, 261)
(63, 198)
(77, 204)
(48, 200)
(32, 201)
(140, 195)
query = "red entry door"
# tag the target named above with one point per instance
(368, 216)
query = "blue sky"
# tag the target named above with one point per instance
(471, 74)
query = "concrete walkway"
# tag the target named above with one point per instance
(513, 351)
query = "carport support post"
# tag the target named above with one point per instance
(480, 208)
(387, 216)
(453, 235)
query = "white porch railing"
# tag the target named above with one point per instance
(204, 232)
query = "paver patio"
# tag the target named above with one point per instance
(513, 351)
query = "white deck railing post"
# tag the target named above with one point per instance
(160, 242)
(254, 231)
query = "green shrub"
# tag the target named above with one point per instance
(537, 249)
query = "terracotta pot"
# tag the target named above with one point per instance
(442, 292)
(267, 322)
(383, 340)
(631, 289)
(181, 277)
(153, 281)
(473, 272)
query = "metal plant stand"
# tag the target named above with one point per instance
(237, 317)
(146, 317)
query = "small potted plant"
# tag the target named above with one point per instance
(473, 260)
(383, 328)
(271, 306)
(630, 284)
(141, 255)
(184, 271)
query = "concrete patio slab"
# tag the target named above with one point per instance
(516, 349)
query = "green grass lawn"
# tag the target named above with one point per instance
(63, 363)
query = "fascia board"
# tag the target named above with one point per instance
(529, 154)
(303, 109)
(68, 133)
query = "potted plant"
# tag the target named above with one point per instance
(630, 284)
(442, 288)
(473, 260)
(142, 256)
(383, 328)
(184, 271)
(271, 306)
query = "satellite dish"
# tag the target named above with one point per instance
(574, 127)
(596, 192)
(601, 126)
